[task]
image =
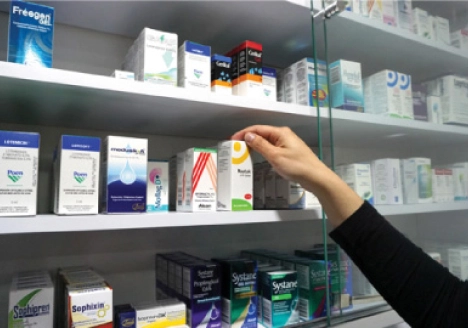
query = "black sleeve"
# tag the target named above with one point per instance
(422, 292)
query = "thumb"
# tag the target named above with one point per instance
(259, 144)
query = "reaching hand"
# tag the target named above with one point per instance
(285, 151)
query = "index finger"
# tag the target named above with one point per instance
(270, 133)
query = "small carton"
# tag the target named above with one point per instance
(386, 178)
(194, 69)
(417, 180)
(157, 196)
(346, 85)
(221, 74)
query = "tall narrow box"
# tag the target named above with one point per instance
(386, 178)
(383, 94)
(259, 186)
(247, 72)
(76, 175)
(406, 95)
(420, 111)
(389, 12)
(421, 23)
(221, 74)
(442, 30)
(269, 83)
(289, 84)
(194, 69)
(239, 292)
(459, 39)
(454, 99)
(19, 170)
(417, 180)
(346, 85)
(200, 178)
(30, 34)
(123, 174)
(157, 196)
(235, 177)
(156, 57)
(460, 181)
(405, 15)
(434, 110)
(180, 183)
(307, 91)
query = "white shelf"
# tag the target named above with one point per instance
(283, 27)
(52, 97)
(379, 46)
(55, 223)
(384, 320)
(421, 208)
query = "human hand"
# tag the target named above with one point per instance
(286, 152)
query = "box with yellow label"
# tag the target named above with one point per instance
(235, 177)
(161, 314)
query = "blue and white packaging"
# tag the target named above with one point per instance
(76, 175)
(383, 95)
(30, 34)
(19, 169)
(157, 197)
(124, 164)
(269, 83)
(306, 90)
(346, 85)
(406, 94)
(194, 68)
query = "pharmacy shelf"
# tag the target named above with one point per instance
(390, 210)
(386, 319)
(379, 46)
(283, 27)
(52, 97)
(367, 130)
(55, 223)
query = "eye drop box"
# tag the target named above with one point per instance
(123, 75)
(172, 183)
(307, 92)
(247, 70)
(239, 292)
(124, 316)
(31, 302)
(289, 195)
(235, 177)
(221, 74)
(420, 111)
(386, 178)
(156, 57)
(194, 71)
(270, 187)
(181, 182)
(459, 39)
(19, 162)
(289, 84)
(458, 262)
(454, 99)
(269, 83)
(374, 9)
(76, 175)
(389, 12)
(157, 195)
(262, 268)
(259, 186)
(441, 28)
(406, 94)
(460, 181)
(359, 178)
(421, 23)
(89, 304)
(279, 298)
(417, 180)
(201, 183)
(449, 197)
(440, 186)
(30, 34)
(160, 314)
(346, 86)
(434, 110)
(124, 174)
(405, 15)
(383, 95)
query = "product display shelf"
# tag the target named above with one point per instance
(283, 27)
(379, 46)
(55, 223)
(383, 319)
(421, 208)
(52, 97)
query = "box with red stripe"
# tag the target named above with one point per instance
(200, 177)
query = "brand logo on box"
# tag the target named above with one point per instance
(40, 17)
(29, 311)
(197, 73)
(15, 175)
(129, 150)
(128, 322)
(80, 177)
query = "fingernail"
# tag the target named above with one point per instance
(249, 137)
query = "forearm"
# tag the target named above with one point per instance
(338, 200)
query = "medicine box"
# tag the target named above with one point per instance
(434, 110)
(289, 195)
(406, 94)
(459, 39)
(19, 165)
(416, 180)
(259, 186)
(386, 178)
(441, 28)
(454, 99)
(359, 178)
(76, 175)
(221, 74)
(346, 85)
(247, 73)
(194, 69)
(421, 23)
(405, 14)
(157, 196)
(458, 262)
(123, 174)
(307, 93)
(30, 34)
(123, 75)
(419, 92)
(269, 83)
(460, 181)
(383, 95)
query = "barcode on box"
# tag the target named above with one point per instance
(335, 76)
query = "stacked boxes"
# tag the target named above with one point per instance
(195, 282)
(19, 160)
(31, 301)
